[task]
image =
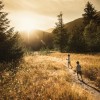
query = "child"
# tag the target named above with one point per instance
(69, 62)
(78, 70)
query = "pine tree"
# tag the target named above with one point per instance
(92, 37)
(10, 41)
(60, 35)
(89, 13)
(92, 28)
(76, 41)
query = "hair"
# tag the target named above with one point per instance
(68, 54)
(77, 62)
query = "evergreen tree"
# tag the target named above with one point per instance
(60, 35)
(97, 18)
(92, 28)
(10, 41)
(76, 41)
(89, 13)
(92, 37)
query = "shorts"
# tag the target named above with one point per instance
(79, 72)
(68, 62)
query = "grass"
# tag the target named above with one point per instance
(38, 78)
(90, 65)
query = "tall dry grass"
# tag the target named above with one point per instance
(90, 64)
(40, 79)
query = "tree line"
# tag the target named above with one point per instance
(11, 48)
(85, 38)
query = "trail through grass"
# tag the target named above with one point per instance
(42, 77)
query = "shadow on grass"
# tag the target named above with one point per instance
(89, 85)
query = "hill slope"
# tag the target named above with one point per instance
(77, 23)
(37, 39)
(74, 24)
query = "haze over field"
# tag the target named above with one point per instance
(28, 15)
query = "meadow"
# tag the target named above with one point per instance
(90, 64)
(40, 77)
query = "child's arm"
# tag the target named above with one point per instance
(66, 59)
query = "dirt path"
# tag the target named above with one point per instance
(85, 84)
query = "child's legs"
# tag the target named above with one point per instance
(71, 65)
(81, 74)
(77, 74)
(68, 64)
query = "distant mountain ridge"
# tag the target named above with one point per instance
(37, 39)
(74, 24)
(50, 30)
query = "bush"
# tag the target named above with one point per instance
(98, 82)
(91, 73)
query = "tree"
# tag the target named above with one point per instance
(92, 28)
(97, 18)
(60, 35)
(76, 41)
(92, 36)
(10, 41)
(89, 13)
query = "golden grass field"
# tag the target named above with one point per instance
(90, 64)
(39, 78)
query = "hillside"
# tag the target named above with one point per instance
(77, 23)
(74, 24)
(50, 30)
(37, 39)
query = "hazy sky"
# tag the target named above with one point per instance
(42, 14)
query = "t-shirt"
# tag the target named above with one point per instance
(78, 68)
(68, 59)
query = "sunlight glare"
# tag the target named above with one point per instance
(25, 22)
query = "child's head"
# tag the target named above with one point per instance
(68, 54)
(77, 62)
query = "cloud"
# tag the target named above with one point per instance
(47, 7)
(71, 9)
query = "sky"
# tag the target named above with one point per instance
(42, 14)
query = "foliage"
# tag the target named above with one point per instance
(60, 35)
(91, 73)
(76, 41)
(86, 38)
(98, 82)
(92, 37)
(10, 42)
(89, 13)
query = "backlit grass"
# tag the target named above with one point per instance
(39, 78)
(90, 64)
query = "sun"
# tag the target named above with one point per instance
(25, 22)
